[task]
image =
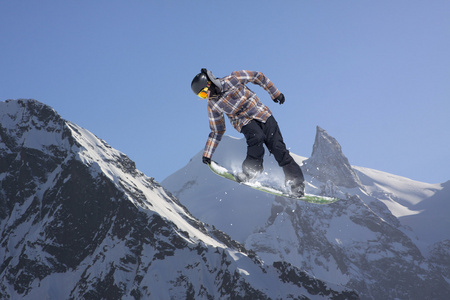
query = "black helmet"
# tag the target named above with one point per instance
(199, 82)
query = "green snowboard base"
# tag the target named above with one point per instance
(225, 173)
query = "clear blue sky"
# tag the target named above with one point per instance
(374, 74)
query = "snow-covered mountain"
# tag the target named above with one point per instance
(388, 238)
(79, 221)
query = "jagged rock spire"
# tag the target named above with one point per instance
(327, 162)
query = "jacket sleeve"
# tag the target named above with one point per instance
(259, 79)
(217, 125)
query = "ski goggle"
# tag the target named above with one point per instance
(204, 92)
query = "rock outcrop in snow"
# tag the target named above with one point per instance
(328, 162)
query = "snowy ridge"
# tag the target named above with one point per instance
(101, 157)
(79, 221)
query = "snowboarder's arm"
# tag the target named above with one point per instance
(259, 79)
(217, 125)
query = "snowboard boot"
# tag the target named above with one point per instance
(247, 174)
(297, 187)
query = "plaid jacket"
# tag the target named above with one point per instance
(239, 103)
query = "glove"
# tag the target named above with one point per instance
(279, 99)
(206, 160)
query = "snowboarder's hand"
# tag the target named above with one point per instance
(279, 99)
(206, 160)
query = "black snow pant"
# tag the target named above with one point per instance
(257, 134)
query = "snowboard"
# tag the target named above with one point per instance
(225, 173)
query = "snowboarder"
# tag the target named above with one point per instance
(230, 95)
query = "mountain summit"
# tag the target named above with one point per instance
(328, 162)
(387, 238)
(79, 221)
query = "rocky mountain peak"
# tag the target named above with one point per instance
(22, 114)
(27, 123)
(356, 242)
(328, 162)
(74, 210)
